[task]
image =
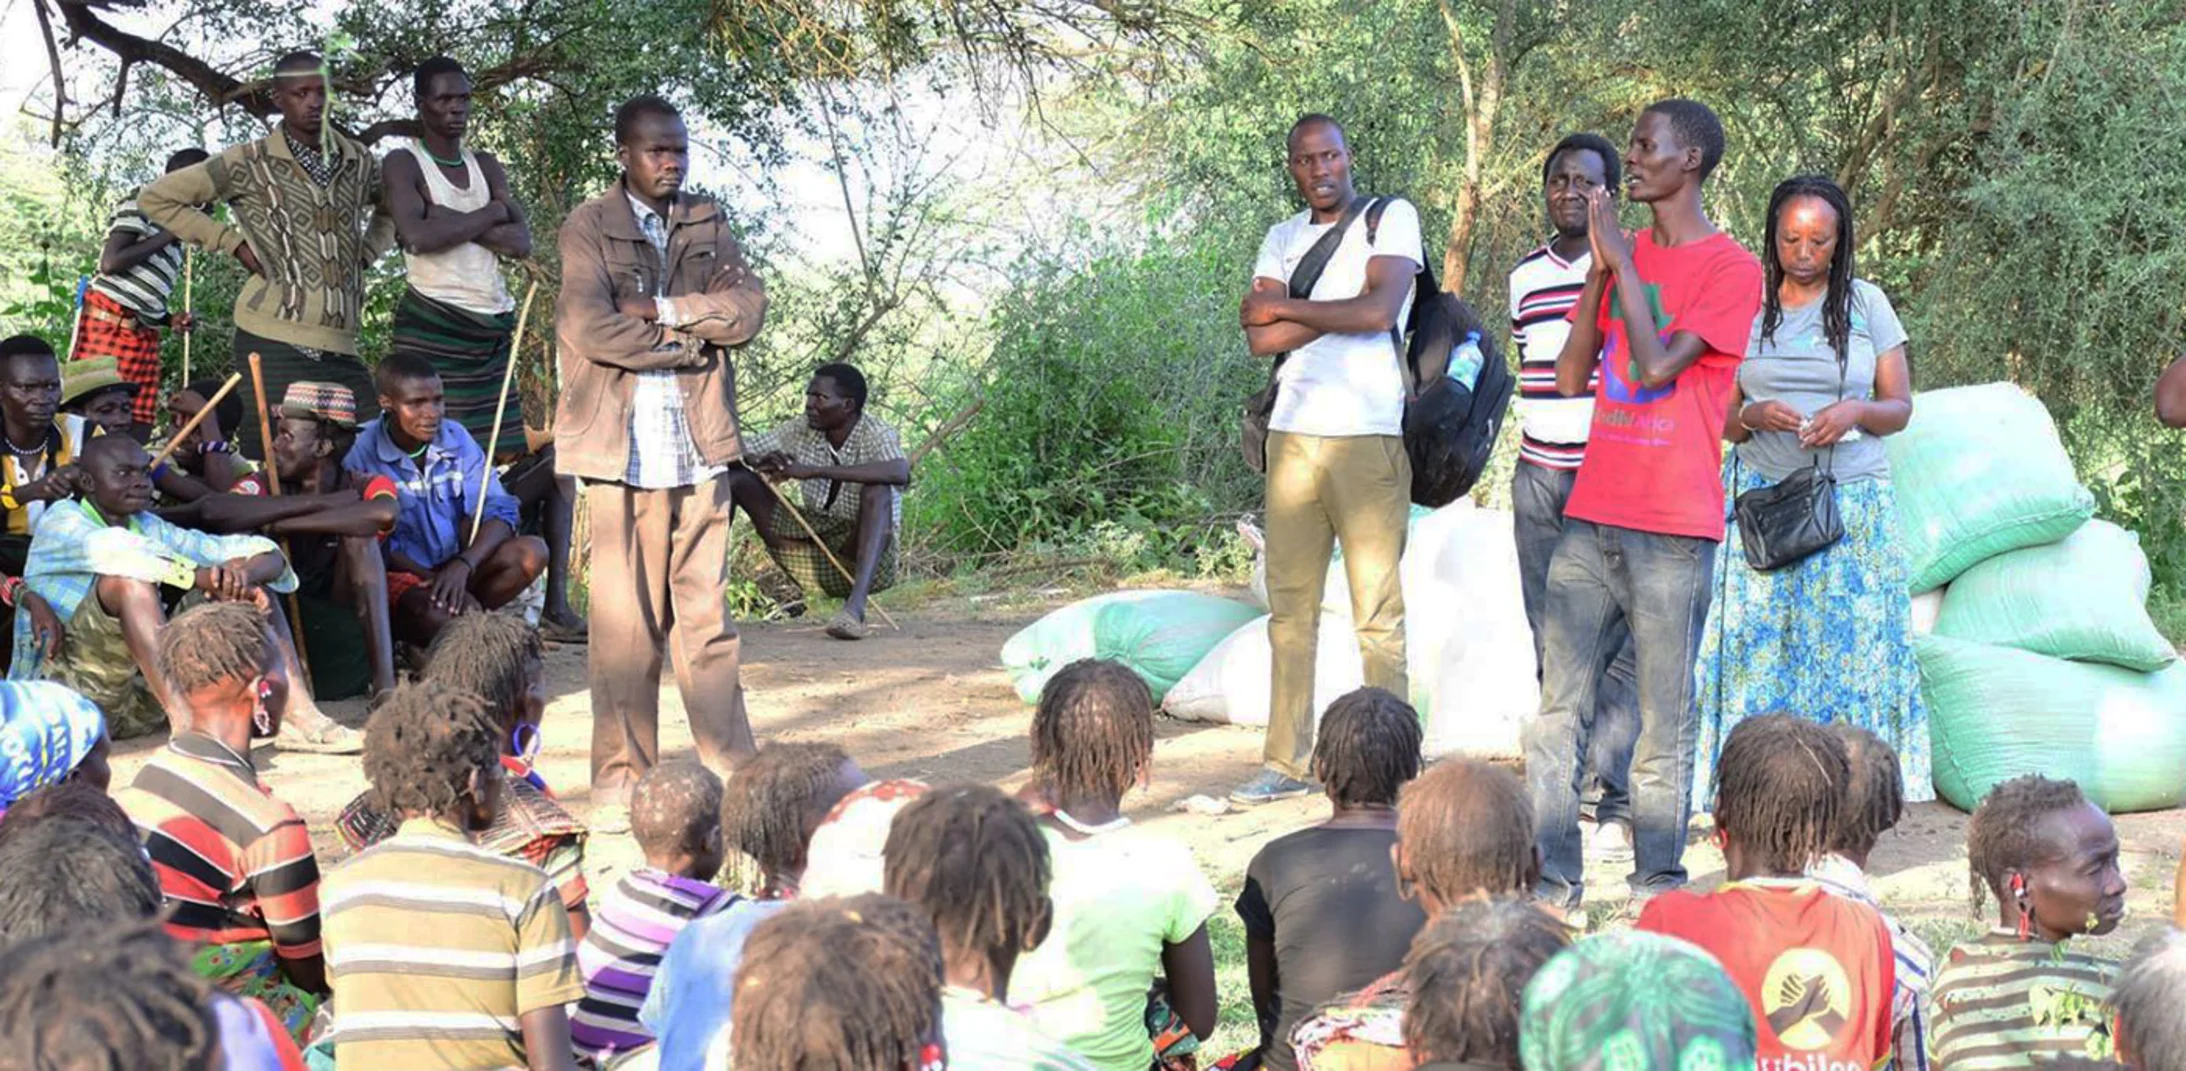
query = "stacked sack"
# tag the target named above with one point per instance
(2042, 657)
(1468, 650)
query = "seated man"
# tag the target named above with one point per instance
(548, 502)
(440, 561)
(39, 465)
(204, 461)
(850, 466)
(94, 391)
(99, 561)
(333, 521)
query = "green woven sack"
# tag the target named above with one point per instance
(2083, 598)
(1995, 713)
(1159, 635)
(1978, 472)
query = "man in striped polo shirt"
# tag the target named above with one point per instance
(448, 956)
(127, 303)
(1543, 288)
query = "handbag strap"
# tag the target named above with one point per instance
(1844, 365)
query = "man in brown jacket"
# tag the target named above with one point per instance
(654, 292)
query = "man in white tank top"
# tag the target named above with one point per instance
(456, 219)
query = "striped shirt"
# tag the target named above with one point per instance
(2001, 1002)
(438, 948)
(234, 863)
(630, 932)
(1543, 288)
(143, 289)
(1915, 964)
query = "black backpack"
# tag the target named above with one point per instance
(1449, 429)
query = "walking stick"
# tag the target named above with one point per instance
(188, 261)
(508, 379)
(273, 488)
(175, 440)
(822, 544)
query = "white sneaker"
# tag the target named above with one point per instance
(1611, 842)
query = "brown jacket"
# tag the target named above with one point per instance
(605, 258)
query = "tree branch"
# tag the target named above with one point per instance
(53, 56)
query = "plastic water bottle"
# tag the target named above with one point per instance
(1465, 361)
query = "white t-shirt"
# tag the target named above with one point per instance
(1339, 385)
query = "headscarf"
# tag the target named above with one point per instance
(1634, 1001)
(844, 858)
(46, 729)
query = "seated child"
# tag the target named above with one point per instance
(976, 863)
(769, 811)
(410, 919)
(1874, 802)
(675, 815)
(2016, 996)
(333, 521)
(851, 983)
(137, 1005)
(1634, 1001)
(1464, 833)
(441, 563)
(1817, 967)
(499, 659)
(94, 390)
(1320, 906)
(1467, 974)
(2149, 999)
(1129, 908)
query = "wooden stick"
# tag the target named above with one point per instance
(75, 327)
(501, 408)
(273, 488)
(188, 261)
(176, 439)
(824, 549)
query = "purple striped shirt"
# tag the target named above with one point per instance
(632, 928)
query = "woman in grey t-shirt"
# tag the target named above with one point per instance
(1825, 378)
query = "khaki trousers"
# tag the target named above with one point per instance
(1356, 489)
(659, 560)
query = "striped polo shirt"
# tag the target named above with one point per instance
(1553, 428)
(2001, 1002)
(437, 949)
(234, 863)
(630, 932)
(145, 288)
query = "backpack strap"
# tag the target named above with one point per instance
(1307, 274)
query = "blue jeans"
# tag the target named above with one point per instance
(1537, 498)
(1608, 585)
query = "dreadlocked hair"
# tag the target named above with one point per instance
(72, 799)
(1780, 792)
(1837, 303)
(1367, 748)
(105, 998)
(1093, 733)
(1467, 974)
(67, 873)
(215, 642)
(676, 807)
(973, 859)
(1467, 827)
(769, 809)
(1875, 796)
(423, 745)
(850, 984)
(491, 656)
(2006, 831)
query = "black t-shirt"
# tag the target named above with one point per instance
(1327, 899)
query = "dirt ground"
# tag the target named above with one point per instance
(932, 702)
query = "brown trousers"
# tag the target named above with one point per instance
(659, 560)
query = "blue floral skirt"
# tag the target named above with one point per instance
(1828, 638)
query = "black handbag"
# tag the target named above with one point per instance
(1252, 425)
(1797, 516)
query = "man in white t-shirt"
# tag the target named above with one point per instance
(1336, 466)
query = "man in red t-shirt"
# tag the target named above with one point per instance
(1817, 968)
(1646, 511)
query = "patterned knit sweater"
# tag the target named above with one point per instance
(312, 241)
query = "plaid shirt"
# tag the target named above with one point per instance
(662, 452)
(871, 440)
(1915, 965)
(74, 547)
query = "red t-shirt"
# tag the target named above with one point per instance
(1654, 459)
(1817, 968)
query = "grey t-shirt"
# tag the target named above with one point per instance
(1798, 367)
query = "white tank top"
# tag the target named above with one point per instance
(467, 276)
